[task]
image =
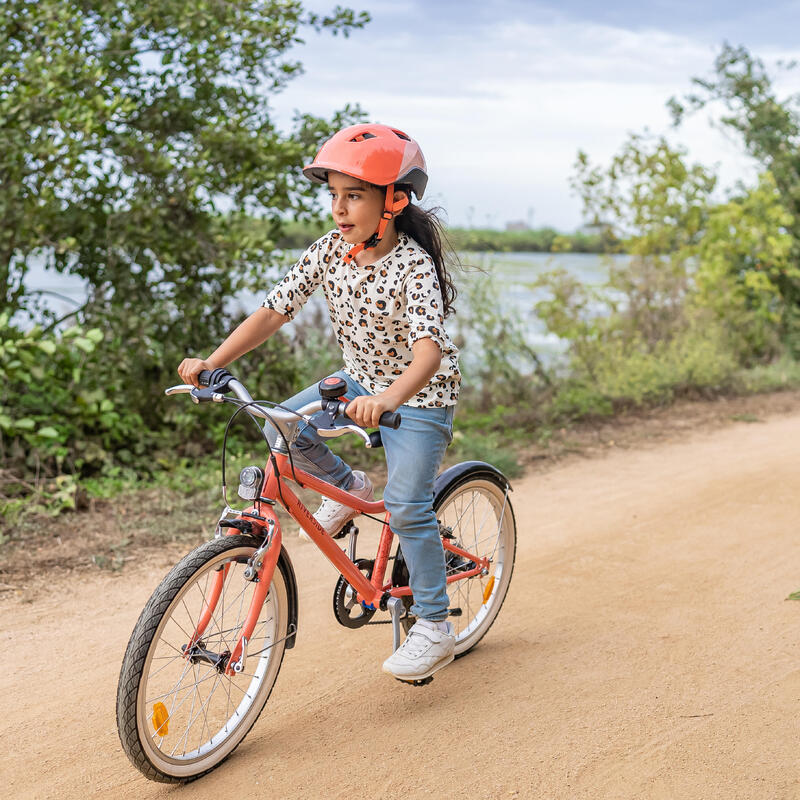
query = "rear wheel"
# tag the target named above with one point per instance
(478, 516)
(179, 715)
(474, 514)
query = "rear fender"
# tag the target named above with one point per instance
(466, 470)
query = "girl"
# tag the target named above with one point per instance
(388, 292)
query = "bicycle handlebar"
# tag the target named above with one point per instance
(221, 380)
(215, 383)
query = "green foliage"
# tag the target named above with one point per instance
(649, 194)
(493, 347)
(300, 233)
(623, 351)
(783, 373)
(647, 334)
(136, 147)
(129, 128)
(743, 259)
(769, 127)
(55, 404)
(770, 130)
(485, 446)
(486, 239)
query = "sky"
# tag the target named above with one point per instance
(501, 94)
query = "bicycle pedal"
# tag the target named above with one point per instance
(420, 682)
(346, 528)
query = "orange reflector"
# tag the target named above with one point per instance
(160, 719)
(487, 592)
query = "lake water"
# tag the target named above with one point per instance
(513, 275)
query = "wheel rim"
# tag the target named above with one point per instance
(481, 520)
(207, 712)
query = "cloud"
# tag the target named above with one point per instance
(501, 104)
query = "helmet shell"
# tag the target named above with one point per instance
(373, 153)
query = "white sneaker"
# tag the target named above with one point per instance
(425, 650)
(333, 515)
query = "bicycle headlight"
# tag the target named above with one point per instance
(250, 481)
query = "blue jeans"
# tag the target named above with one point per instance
(413, 454)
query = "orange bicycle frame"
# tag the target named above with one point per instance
(370, 591)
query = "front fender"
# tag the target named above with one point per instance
(287, 570)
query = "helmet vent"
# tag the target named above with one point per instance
(401, 135)
(363, 136)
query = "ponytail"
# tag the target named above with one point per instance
(424, 226)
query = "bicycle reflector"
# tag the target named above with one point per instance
(160, 719)
(251, 480)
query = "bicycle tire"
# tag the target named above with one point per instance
(167, 620)
(478, 498)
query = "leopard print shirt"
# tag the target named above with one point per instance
(377, 311)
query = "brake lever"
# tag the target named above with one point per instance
(332, 433)
(181, 388)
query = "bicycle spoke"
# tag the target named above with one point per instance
(172, 660)
(185, 735)
(178, 688)
(462, 512)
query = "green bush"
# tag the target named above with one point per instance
(58, 403)
(485, 446)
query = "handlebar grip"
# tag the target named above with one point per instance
(204, 378)
(390, 419)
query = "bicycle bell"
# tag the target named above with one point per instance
(251, 480)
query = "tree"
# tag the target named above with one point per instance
(770, 131)
(769, 127)
(641, 337)
(136, 139)
(136, 148)
(659, 205)
(743, 258)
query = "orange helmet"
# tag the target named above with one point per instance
(377, 154)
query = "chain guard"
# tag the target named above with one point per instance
(347, 610)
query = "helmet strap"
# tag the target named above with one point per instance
(390, 210)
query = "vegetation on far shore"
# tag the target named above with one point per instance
(128, 181)
(598, 238)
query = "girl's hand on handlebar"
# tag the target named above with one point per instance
(190, 368)
(366, 410)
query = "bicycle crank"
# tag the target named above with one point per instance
(346, 608)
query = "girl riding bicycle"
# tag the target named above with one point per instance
(388, 292)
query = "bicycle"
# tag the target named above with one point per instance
(206, 651)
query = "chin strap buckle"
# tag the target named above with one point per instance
(390, 210)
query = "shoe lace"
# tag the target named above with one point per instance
(415, 644)
(328, 507)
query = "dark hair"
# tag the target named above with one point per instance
(425, 227)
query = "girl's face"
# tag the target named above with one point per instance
(356, 207)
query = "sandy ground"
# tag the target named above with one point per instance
(646, 650)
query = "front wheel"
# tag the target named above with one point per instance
(477, 514)
(179, 714)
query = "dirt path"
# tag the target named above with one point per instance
(645, 650)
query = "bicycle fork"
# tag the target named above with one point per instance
(260, 569)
